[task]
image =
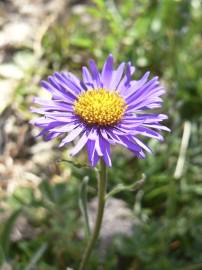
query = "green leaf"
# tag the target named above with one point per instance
(81, 42)
(99, 3)
(121, 187)
(36, 257)
(77, 165)
(7, 229)
(2, 256)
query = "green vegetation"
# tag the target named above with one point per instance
(161, 36)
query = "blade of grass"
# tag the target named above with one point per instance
(36, 257)
(6, 233)
(83, 204)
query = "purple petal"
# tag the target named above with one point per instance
(135, 85)
(140, 154)
(67, 84)
(87, 78)
(105, 136)
(53, 104)
(62, 118)
(51, 109)
(157, 126)
(94, 136)
(76, 81)
(95, 74)
(129, 144)
(149, 133)
(80, 144)
(66, 128)
(72, 135)
(107, 72)
(51, 135)
(125, 82)
(147, 118)
(143, 90)
(56, 93)
(49, 126)
(92, 154)
(63, 92)
(116, 77)
(105, 148)
(141, 144)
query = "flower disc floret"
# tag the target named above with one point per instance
(100, 107)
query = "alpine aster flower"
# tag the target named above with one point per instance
(101, 109)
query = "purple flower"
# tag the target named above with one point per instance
(101, 109)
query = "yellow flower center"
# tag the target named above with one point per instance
(101, 107)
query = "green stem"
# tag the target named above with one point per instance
(102, 183)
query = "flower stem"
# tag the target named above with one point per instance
(102, 183)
